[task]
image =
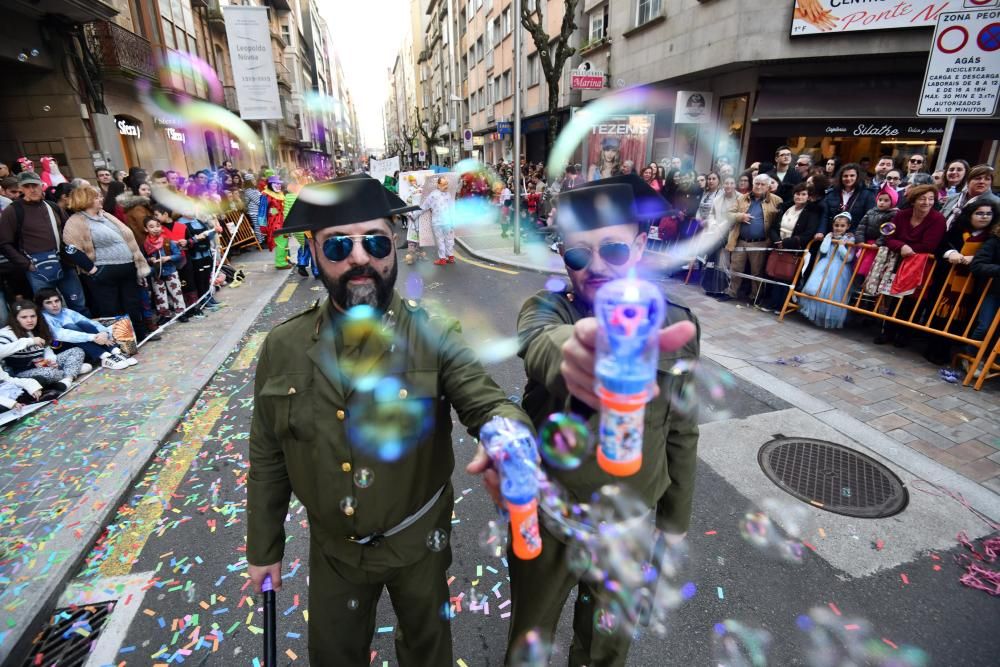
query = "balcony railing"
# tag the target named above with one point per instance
(229, 92)
(120, 52)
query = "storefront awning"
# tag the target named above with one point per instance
(861, 96)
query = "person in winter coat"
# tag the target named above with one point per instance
(985, 265)
(164, 256)
(849, 195)
(137, 210)
(869, 230)
(26, 351)
(71, 329)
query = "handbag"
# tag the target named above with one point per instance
(782, 265)
(909, 275)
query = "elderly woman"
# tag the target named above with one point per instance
(119, 265)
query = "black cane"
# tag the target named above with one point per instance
(270, 618)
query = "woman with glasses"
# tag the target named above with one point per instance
(985, 265)
(978, 184)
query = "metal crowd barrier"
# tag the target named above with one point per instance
(879, 306)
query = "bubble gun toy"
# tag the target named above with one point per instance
(515, 456)
(629, 314)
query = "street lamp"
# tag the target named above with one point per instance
(517, 127)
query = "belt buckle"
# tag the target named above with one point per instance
(375, 540)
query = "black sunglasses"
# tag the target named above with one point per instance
(338, 248)
(616, 254)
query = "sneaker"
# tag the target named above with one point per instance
(85, 368)
(451, 259)
(115, 362)
(440, 262)
(198, 316)
(131, 361)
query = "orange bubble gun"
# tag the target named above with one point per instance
(629, 313)
(515, 455)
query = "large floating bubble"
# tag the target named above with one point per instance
(737, 645)
(836, 640)
(387, 422)
(530, 650)
(564, 441)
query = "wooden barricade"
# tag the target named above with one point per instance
(236, 226)
(880, 307)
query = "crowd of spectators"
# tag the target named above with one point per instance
(76, 256)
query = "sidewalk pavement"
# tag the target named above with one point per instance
(888, 396)
(65, 468)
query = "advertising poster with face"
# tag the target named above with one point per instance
(616, 140)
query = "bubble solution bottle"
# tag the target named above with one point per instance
(515, 455)
(629, 314)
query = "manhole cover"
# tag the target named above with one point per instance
(833, 477)
(68, 638)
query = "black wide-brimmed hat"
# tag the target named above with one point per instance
(618, 200)
(342, 201)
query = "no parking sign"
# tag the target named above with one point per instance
(963, 70)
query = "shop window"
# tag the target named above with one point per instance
(732, 128)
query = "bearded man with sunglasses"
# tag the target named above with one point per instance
(352, 412)
(602, 240)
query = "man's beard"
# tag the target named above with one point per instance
(376, 294)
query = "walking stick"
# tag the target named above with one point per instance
(270, 639)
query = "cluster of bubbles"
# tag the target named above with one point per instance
(759, 527)
(834, 640)
(737, 645)
(564, 441)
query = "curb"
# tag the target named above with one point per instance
(131, 462)
(514, 264)
(891, 452)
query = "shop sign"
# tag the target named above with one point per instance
(693, 106)
(478, 140)
(505, 127)
(585, 77)
(852, 16)
(235, 145)
(881, 129)
(963, 68)
(175, 135)
(163, 122)
(128, 129)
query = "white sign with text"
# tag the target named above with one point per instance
(249, 37)
(963, 69)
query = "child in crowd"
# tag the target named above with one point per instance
(164, 256)
(26, 352)
(71, 329)
(869, 230)
(15, 393)
(199, 237)
(176, 231)
(831, 277)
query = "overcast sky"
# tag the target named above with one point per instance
(366, 35)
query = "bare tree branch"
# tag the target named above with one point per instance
(553, 52)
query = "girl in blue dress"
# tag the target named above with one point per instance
(827, 279)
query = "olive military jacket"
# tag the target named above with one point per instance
(670, 442)
(313, 429)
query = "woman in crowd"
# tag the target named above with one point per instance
(115, 190)
(848, 196)
(119, 266)
(978, 184)
(800, 218)
(715, 279)
(200, 234)
(919, 229)
(831, 277)
(708, 196)
(831, 167)
(986, 265)
(251, 204)
(71, 329)
(954, 176)
(648, 176)
(686, 199)
(26, 352)
(892, 180)
(743, 183)
(938, 181)
(136, 209)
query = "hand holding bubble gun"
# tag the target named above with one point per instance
(629, 313)
(512, 448)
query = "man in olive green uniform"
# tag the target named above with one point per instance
(352, 414)
(557, 331)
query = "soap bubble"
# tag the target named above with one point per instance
(564, 440)
(46, 108)
(437, 539)
(699, 386)
(530, 650)
(555, 284)
(493, 538)
(887, 228)
(352, 604)
(34, 53)
(363, 478)
(605, 621)
(348, 505)
(738, 645)
(387, 423)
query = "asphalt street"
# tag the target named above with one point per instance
(182, 530)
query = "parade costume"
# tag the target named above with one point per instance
(441, 205)
(664, 483)
(307, 437)
(271, 216)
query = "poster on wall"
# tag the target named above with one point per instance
(249, 37)
(618, 139)
(693, 106)
(379, 169)
(816, 17)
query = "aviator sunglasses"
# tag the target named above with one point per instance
(338, 248)
(616, 254)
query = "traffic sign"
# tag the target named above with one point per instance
(467, 139)
(963, 69)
